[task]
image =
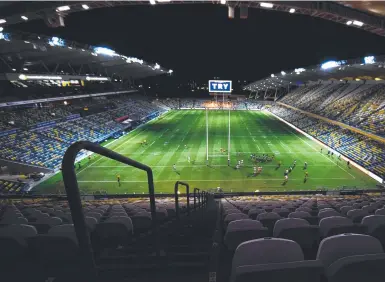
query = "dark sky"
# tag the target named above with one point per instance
(199, 41)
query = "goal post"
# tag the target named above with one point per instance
(207, 138)
(228, 141)
(224, 88)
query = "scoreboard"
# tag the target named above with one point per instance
(220, 86)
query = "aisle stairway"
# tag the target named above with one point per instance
(185, 251)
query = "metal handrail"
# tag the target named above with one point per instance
(195, 198)
(177, 197)
(74, 199)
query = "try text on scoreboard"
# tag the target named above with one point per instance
(223, 86)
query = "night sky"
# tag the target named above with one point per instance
(198, 41)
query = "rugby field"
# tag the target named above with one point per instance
(176, 135)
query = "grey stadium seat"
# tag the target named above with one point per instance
(376, 227)
(334, 225)
(352, 258)
(272, 259)
(268, 220)
(234, 216)
(328, 213)
(300, 231)
(243, 230)
(357, 215)
(313, 220)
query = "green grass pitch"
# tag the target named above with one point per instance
(251, 132)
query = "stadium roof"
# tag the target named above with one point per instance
(366, 15)
(368, 68)
(31, 53)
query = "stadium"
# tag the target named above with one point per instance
(115, 167)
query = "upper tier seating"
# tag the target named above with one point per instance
(361, 149)
(357, 104)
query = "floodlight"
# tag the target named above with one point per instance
(299, 70)
(157, 66)
(56, 41)
(13, 69)
(223, 2)
(272, 75)
(152, 2)
(349, 22)
(369, 60)
(24, 18)
(358, 23)
(2, 21)
(292, 11)
(170, 71)
(105, 51)
(39, 77)
(85, 7)
(1, 28)
(266, 5)
(330, 64)
(25, 69)
(90, 78)
(63, 8)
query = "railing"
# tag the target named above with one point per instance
(177, 213)
(195, 198)
(74, 199)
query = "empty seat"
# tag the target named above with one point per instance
(15, 260)
(300, 231)
(357, 215)
(380, 211)
(328, 213)
(57, 252)
(242, 230)
(344, 210)
(376, 227)
(268, 220)
(115, 231)
(304, 215)
(43, 224)
(351, 258)
(253, 213)
(282, 212)
(272, 259)
(234, 216)
(338, 225)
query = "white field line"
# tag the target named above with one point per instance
(184, 136)
(101, 157)
(285, 146)
(110, 143)
(203, 165)
(209, 180)
(318, 151)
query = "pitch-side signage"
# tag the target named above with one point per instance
(223, 86)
